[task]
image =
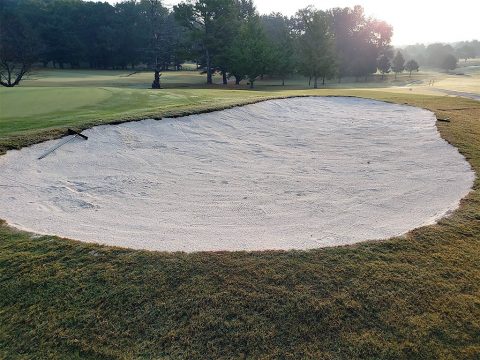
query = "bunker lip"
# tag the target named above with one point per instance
(298, 173)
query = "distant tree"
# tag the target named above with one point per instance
(228, 27)
(384, 65)
(398, 64)
(344, 22)
(155, 16)
(281, 52)
(417, 52)
(411, 66)
(475, 44)
(97, 33)
(249, 51)
(466, 52)
(205, 20)
(316, 46)
(436, 53)
(237, 62)
(359, 41)
(179, 43)
(449, 62)
(19, 49)
(128, 34)
(62, 33)
(235, 53)
(365, 59)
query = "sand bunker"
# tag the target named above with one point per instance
(298, 173)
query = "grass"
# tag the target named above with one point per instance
(49, 101)
(412, 297)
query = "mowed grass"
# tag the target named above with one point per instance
(415, 297)
(83, 106)
(18, 103)
(49, 101)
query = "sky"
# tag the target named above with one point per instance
(413, 21)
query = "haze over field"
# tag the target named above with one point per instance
(413, 21)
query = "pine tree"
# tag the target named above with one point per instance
(384, 65)
(398, 64)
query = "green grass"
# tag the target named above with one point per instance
(19, 103)
(415, 297)
(49, 101)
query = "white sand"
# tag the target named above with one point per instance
(299, 173)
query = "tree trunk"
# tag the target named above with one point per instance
(209, 68)
(283, 82)
(315, 82)
(309, 81)
(251, 84)
(156, 80)
(323, 80)
(395, 76)
(237, 80)
(224, 74)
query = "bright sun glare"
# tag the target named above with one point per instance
(413, 21)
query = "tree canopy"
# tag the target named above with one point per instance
(315, 43)
(18, 49)
(435, 55)
(384, 65)
(411, 66)
(449, 62)
(228, 36)
(398, 63)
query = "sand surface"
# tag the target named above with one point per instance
(298, 173)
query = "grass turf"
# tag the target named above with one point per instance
(411, 297)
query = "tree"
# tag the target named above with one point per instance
(436, 53)
(206, 20)
(19, 49)
(281, 51)
(359, 41)
(449, 62)
(61, 31)
(346, 23)
(155, 16)
(398, 64)
(249, 51)
(228, 28)
(410, 66)
(384, 65)
(96, 32)
(417, 52)
(131, 38)
(373, 41)
(366, 55)
(316, 47)
(466, 52)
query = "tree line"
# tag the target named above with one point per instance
(443, 56)
(225, 36)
